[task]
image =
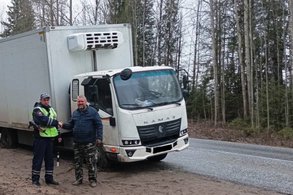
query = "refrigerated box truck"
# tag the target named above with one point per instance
(142, 108)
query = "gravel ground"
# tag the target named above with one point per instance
(136, 178)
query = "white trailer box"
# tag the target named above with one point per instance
(41, 61)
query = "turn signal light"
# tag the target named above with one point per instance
(113, 150)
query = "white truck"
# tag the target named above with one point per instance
(142, 108)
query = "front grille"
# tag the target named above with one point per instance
(160, 133)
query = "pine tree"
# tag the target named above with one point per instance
(120, 11)
(168, 28)
(141, 17)
(20, 18)
(145, 22)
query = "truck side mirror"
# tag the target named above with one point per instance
(185, 81)
(125, 74)
(86, 81)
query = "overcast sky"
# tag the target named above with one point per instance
(3, 5)
(3, 9)
(185, 4)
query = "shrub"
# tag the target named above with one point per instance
(286, 133)
(239, 123)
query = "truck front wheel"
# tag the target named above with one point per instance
(102, 161)
(157, 158)
(8, 138)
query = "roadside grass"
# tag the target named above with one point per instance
(240, 131)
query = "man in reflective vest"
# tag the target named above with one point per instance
(44, 117)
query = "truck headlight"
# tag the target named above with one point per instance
(130, 142)
(183, 132)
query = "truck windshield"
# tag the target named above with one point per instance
(147, 89)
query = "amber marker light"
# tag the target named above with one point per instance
(113, 150)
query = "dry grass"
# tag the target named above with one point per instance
(206, 130)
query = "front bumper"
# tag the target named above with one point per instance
(139, 153)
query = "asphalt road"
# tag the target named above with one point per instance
(261, 166)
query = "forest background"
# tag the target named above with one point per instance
(235, 54)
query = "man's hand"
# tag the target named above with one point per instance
(99, 143)
(59, 139)
(60, 124)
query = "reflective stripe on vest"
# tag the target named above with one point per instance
(49, 131)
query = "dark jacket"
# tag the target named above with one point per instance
(86, 124)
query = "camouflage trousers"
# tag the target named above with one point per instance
(85, 152)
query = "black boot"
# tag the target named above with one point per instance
(52, 182)
(36, 183)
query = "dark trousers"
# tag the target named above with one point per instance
(87, 152)
(43, 150)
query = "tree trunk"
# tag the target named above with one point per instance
(291, 48)
(251, 49)
(160, 32)
(247, 34)
(57, 13)
(194, 72)
(223, 102)
(178, 56)
(214, 16)
(267, 85)
(241, 62)
(70, 13)
(287, 107)
(51, 13)
(143, 33)
(134, 33)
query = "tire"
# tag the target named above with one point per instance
(8, 138)
(157, 158)
(102, 161)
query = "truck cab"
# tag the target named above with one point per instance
(142, 110)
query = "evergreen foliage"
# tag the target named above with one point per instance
(271, 66)
(145, 38)
(169, 33)
(120, 11)
(20, 18)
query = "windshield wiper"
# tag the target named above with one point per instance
(167, 103)
(130, 105)
(137, 106)
(149, 108)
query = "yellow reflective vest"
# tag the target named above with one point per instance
(49, 131)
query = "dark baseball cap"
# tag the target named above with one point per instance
(44, 96)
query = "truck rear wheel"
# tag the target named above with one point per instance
(8, 138)
(157, 158)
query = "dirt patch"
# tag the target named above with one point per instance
(136, 178)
